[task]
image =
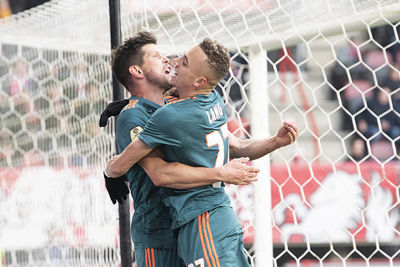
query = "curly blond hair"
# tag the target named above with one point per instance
(217, 57)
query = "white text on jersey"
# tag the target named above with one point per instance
(214, 113)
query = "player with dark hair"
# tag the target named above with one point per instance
(193, 130)
(145, 73)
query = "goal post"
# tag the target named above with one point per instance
(259, 129)
(118, 94)
(322, 63)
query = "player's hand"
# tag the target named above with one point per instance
(287, 134)
(112, 109)
(238, 172)
(117, 188)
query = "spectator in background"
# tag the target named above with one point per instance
(393, 82)
(33, 123)
(80, 73)
(22, 104)
(60, 71)
(33, 158)
(358, 149)
(97, 101)
(5, 10)
(4, 104)
(6, 143)
(338, 78)
(19, 80)
(367, 121)
(385, 36)
(348, 55)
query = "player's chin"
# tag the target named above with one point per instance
(173, 81)
(167, 84)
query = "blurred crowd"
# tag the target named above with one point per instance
(366, 80)
(50, 105)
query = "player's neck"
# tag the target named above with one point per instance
(153, 94)
(194, 91)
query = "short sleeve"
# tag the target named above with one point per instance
(129, 124)
(163, 128)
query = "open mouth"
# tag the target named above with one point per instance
(168, 70)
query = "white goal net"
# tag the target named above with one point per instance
(330, 199)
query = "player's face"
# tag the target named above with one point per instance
(155, 67)
(189, 67)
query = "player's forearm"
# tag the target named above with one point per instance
(179, 176)
(120, 164)
(253, 148)
(185, 186)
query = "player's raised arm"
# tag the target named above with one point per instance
(256, 148)
(120, 164)
(181, 176)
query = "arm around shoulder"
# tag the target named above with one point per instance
(180, 176)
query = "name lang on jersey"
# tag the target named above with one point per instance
(214, 113)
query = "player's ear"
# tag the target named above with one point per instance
(136, 71)
(200, 81)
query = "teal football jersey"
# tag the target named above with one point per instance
(151, 222)
(192, 131)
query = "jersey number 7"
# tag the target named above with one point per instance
(218, 137)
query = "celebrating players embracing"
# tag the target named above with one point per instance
(208, 229)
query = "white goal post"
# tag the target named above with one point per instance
(322, 63)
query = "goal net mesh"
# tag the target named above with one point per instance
(332, 66)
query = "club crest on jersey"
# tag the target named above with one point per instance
(135, 132)
(214, 113)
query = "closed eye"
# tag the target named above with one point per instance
(185, 60)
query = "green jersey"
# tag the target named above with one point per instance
(150, 222)
(192, 131)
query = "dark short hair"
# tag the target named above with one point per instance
(130, 53)
(217, 57)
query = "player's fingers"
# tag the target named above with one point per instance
(251, 169)
(295, 131)
(292, 124)
(249, 181)
(250, 174)
(292, 134)
(242, 160)
(291, 138)
(291, 129)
